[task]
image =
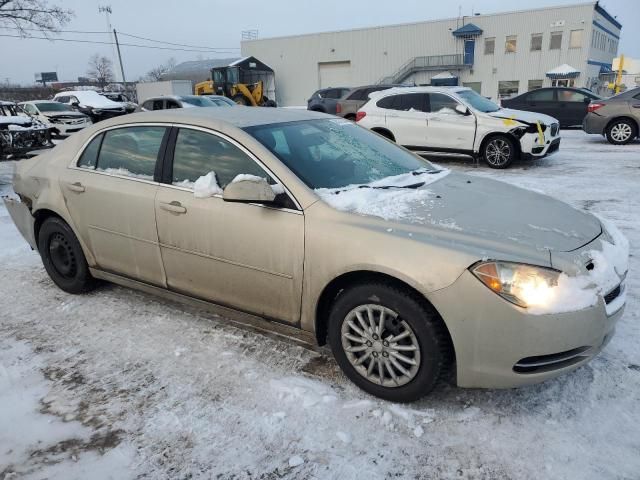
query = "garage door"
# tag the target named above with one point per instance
(334, 74)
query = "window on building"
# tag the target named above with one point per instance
(510, 44)
(131, 151)
(575, 39)
(534, 84)
(563, 82)
(536, 42)
(508, 88)
(489, 45)
(555, 43)
(475, 86)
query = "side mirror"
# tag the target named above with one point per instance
(462, 110)
(587, 100)
(75, 104)
(249, 190)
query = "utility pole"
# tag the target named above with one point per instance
(106, 9)
(124, 81)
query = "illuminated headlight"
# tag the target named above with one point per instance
(521, 284)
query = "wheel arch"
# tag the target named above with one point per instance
(385, 132)
(339, 283)
(490, 135)
(624, 117)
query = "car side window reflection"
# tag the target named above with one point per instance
(198, 153)
(131, 151)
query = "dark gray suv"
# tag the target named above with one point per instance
(617, 118)
(325, 99)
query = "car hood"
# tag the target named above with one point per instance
(523, 116)
(474, 210)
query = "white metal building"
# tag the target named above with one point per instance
(498, 54)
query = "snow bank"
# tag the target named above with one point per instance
(389, 203)
(207, 186)
(583, 291)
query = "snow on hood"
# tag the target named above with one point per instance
(485, 209)
(15, 120)
(522, 116)
(610, 265)
(388, 203)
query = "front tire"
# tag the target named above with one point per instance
(63, 258)
(621, 132)
(387, 342)
(499, 151)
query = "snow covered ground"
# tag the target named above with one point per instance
(118, 384)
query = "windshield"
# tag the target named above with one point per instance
(478, 102)
(197, 101)
(53, 107)
(335, 153)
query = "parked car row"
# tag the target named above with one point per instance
(20, 133)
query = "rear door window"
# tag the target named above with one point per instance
(571, 96)
(157, 105)
(89, 157)
(540, 96)
(441, 103)
(131, 151)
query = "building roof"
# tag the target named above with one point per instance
(196, 70)
(468, 30)
(563, 71)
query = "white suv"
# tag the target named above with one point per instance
(458, 120)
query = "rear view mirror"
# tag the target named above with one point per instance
(462, 110)
(249, 190)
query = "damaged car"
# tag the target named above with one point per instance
(21, 134)
(61, 118)
(457, 120)
(309, 225)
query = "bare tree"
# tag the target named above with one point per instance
(101, 69)
(156, 73)
(23, 15)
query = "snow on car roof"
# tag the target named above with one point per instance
(89, 97)
(426, 89)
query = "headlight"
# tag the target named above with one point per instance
(521, 284)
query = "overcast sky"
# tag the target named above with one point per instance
(206, 23)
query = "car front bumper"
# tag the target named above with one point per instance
(65, 129)
(532, 147)
(500, 345)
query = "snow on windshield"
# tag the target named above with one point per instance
(93, 99)
(377, 200)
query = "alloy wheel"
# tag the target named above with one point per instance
(498, 152)
(380, 346)
(621, 132)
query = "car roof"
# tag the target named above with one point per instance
(427, 89)
(5, 103)
(216, 117)
(38, 101)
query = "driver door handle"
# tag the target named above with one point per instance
(173, 207)
(76, 187)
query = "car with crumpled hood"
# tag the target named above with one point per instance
(19, 133)
(311, 226)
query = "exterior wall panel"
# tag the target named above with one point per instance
(375, 53)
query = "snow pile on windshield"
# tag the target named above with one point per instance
(388, 198)
(583, 291)
(207, 186)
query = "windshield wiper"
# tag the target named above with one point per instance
(384, 187)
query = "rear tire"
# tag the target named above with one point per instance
(63, 258)
(499, 151)
(400, 370)
(621, 132)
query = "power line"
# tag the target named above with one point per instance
(126, 34)
(177, 44)
(71, 40)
